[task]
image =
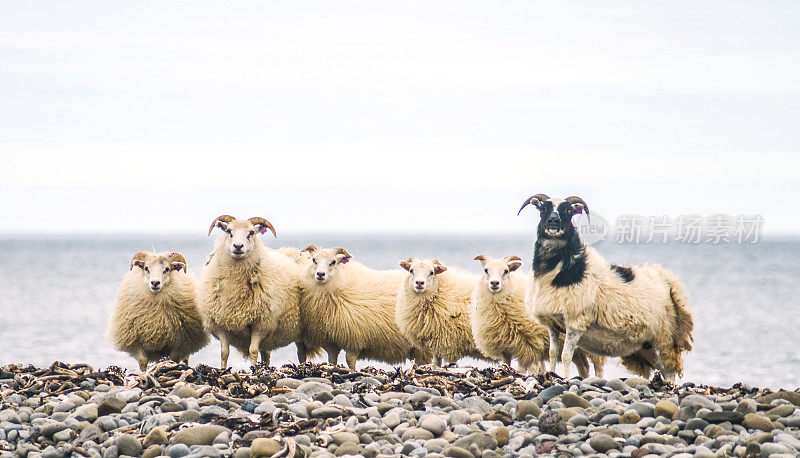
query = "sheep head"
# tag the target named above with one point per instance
(325, 262)
(556, 214)
(422, 274)
(241, 234)
(157, 269)
(495, 271)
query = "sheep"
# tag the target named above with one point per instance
(155, 314)
(249, 293)
(639, 313)
(433, 310)
(502, 327)
(346, 305)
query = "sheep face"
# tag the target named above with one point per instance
(157, 269)
(556, 214)
(241, 234)
(495, 271)
(422, 274)
(325, 263)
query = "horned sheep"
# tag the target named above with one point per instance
(249, 293)
(155, 314)
(502, 327)
(433, 310)
(639, 313)
(348, 306)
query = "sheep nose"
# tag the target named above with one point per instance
(238, 246)
(494, 283)
(155, 283)
(320, 274)
(420, 282)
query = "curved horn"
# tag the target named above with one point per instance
(343, 251)
(223, 218)
(536, 200)
(309, 249)
(138, 259)
(263, 223)
(177, 257)
(577, 200)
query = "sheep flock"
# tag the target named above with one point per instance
(572, 307)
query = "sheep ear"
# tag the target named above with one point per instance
(406, 264)
(309, 249)
(480, 258)
(577, 208)
(438, 268)
(514, 265)
(177, 265)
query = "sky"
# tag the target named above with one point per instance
(394, 116)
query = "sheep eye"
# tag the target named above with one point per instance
(506, 272)
(430, 274)
(166, 271)
(486, 271)
(250, 234)
(146, 269)
(411, 271)
(313, 260)
(332, 263)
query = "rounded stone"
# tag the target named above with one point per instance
(501, 435)
(756, 421)
(433, 423)
(128, 444)
(178, 450)
(573, 400)
(184, 392)
(603, 442)
(199, 435)
(343, 436)
(525, 408)
(156, 436)
(665, 408)
(265, 447)
(416, 433)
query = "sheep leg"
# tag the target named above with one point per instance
(255, 342)
(265, 357)
(350, 357)
(507, 359)
(224, 349)
(570, 343)
(597, 362)
(555, 348)
(581, 362)
(333, 354)
(302, 352)
(141, 358)
(437, 360)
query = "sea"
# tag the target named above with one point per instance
(57, 293)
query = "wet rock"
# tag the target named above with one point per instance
(665, 409)
(265, 447)
(128, 444)
(525, 408)
(756, 421)
(199, 435)
(110, 405)
(603, 442)
(573, 400)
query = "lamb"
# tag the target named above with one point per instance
(249, 293)
(639, 313)
(502, 327)
(346, 305)
(433, 310)
(155, 314)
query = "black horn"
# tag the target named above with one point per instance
(536, 200)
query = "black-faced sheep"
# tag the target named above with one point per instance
(639, 313)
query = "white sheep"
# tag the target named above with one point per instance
(502, 327)
(155, 314)
(347, 306)
(641, 314)
(433, 310)
(249, 293)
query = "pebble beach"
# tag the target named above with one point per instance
(320, 410)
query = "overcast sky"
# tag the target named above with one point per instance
(397, 116)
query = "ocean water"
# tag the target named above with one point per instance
(56, 295)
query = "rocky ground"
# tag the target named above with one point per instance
(321, 410)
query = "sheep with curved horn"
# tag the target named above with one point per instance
(640, 313)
